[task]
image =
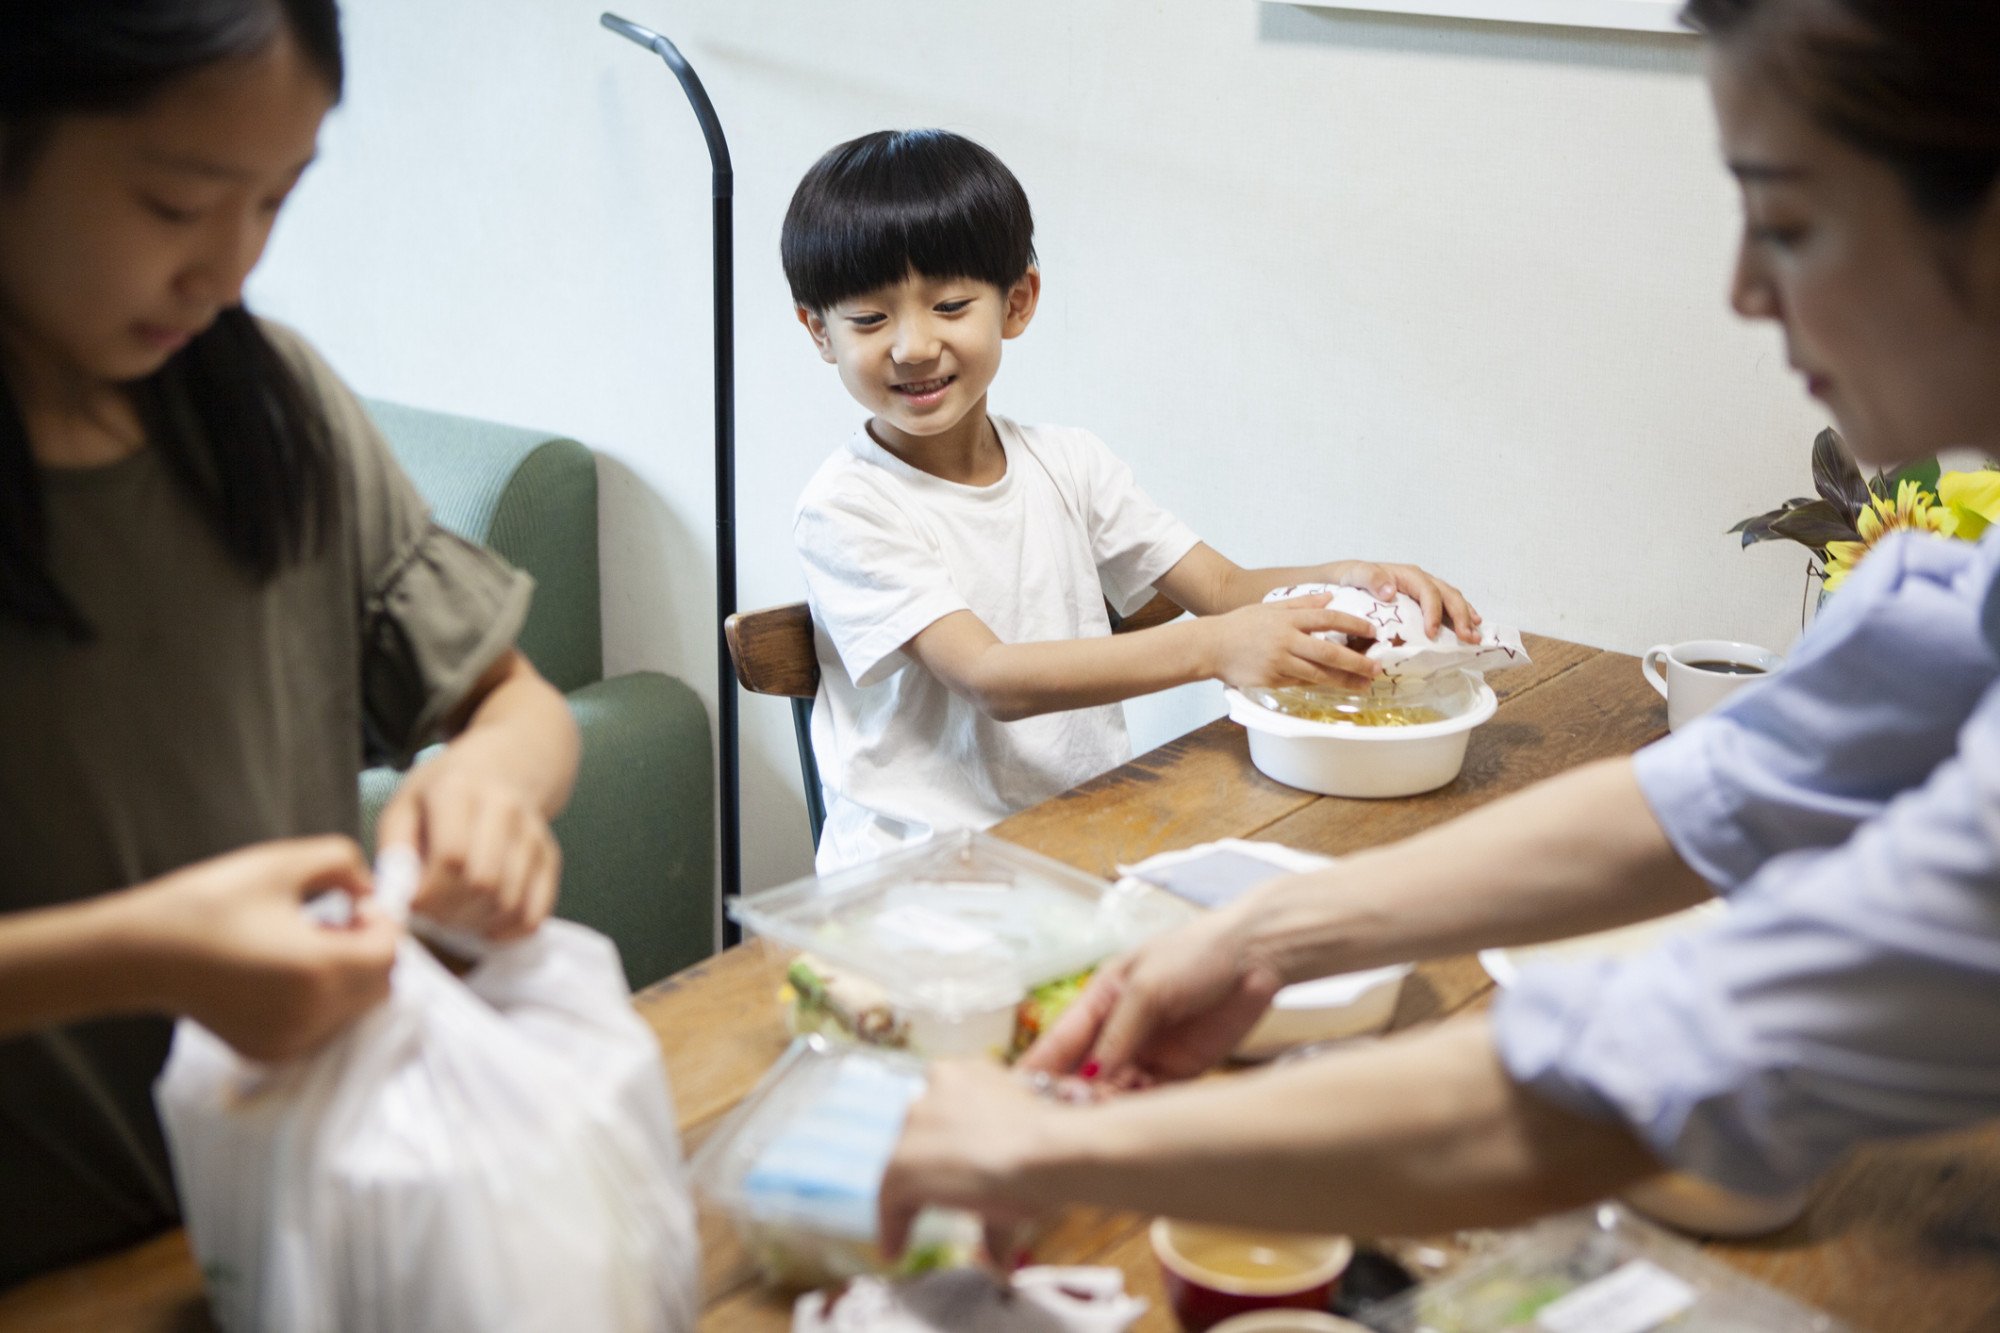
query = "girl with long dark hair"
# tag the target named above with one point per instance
(1849, 808)
(219, 598)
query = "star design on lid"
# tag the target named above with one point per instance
(1396, 641)
(1385, 614)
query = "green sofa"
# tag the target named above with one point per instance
(638, 836)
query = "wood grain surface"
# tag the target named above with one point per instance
(1899, 1239)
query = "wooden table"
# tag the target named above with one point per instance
(1899, 1240)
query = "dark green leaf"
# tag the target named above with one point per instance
(1815, 525)
(1835, 476)
(1758, 529)
(1925, 474)
(1759, 521)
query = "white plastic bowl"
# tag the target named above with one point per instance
(1338, 759)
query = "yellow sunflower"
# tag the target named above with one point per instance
(1973, 501)
(1913, 509)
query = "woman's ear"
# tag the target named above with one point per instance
(817, 328)
(1022, 298)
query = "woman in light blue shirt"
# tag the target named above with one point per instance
(1849, 808)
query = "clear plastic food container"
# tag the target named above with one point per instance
(1388, 702)
(798, 1164)
(962, 945)
(1600, 1270)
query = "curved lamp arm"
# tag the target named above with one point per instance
(729, 789)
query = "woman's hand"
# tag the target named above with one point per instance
(491, 865)
(963, 1146)
(1273, 644)
(226, 942)
(1439, 600)
(1170, 1009)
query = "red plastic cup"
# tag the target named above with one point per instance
(1212, 1273)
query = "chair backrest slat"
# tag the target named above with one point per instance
(773, 650)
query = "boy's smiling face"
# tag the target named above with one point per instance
(920, 354)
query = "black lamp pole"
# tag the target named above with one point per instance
(725, 449)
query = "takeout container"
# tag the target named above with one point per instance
(1353, 1004)
(946, 941)
(1591, 1271)
(1676, 1199)
(797, 1167)
(1347, 759)
(1289, 1321)
(1274, 1270)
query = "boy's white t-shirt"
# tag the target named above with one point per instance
(888, 550)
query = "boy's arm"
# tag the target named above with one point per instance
(1258, 644)
(1209, 583)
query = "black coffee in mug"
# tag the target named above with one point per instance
(1727, 668)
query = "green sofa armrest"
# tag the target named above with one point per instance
(531, 496)
(637, 837)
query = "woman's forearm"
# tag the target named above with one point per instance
(1408, 1136)
(1578, 853)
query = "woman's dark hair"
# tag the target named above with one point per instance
(227, 411)
(1915, 83)
(877, 207)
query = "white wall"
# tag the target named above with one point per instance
(1334, 283)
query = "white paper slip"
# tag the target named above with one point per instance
(1636, 1297)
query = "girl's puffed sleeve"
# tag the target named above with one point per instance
(435, 610)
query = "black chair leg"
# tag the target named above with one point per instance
(802, 722)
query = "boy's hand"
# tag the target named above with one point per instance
(1439, 600)
(1272, 644)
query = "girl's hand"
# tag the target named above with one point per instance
(491, 865)
(963, 1145)
(1272, 644)
(1439, 600)
(226, 942)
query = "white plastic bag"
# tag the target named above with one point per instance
(485, 1155)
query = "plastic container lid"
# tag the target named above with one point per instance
(799, 1163)
(961, 924)
(808, 1146)
(1387, 704)
(1600, 1270)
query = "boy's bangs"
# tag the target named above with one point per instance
(884, 243)
(879, 208)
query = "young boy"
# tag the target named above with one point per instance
(958, 564)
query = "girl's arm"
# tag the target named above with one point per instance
(478, 813)
(223, 941)
(1409, 1136)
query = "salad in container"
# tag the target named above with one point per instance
(1599, 1270)
(963, 945)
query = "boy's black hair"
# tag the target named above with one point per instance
(227, 412)
(877, 207)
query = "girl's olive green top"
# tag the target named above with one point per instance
(207, 711)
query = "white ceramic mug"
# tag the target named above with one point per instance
(1695, 676)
